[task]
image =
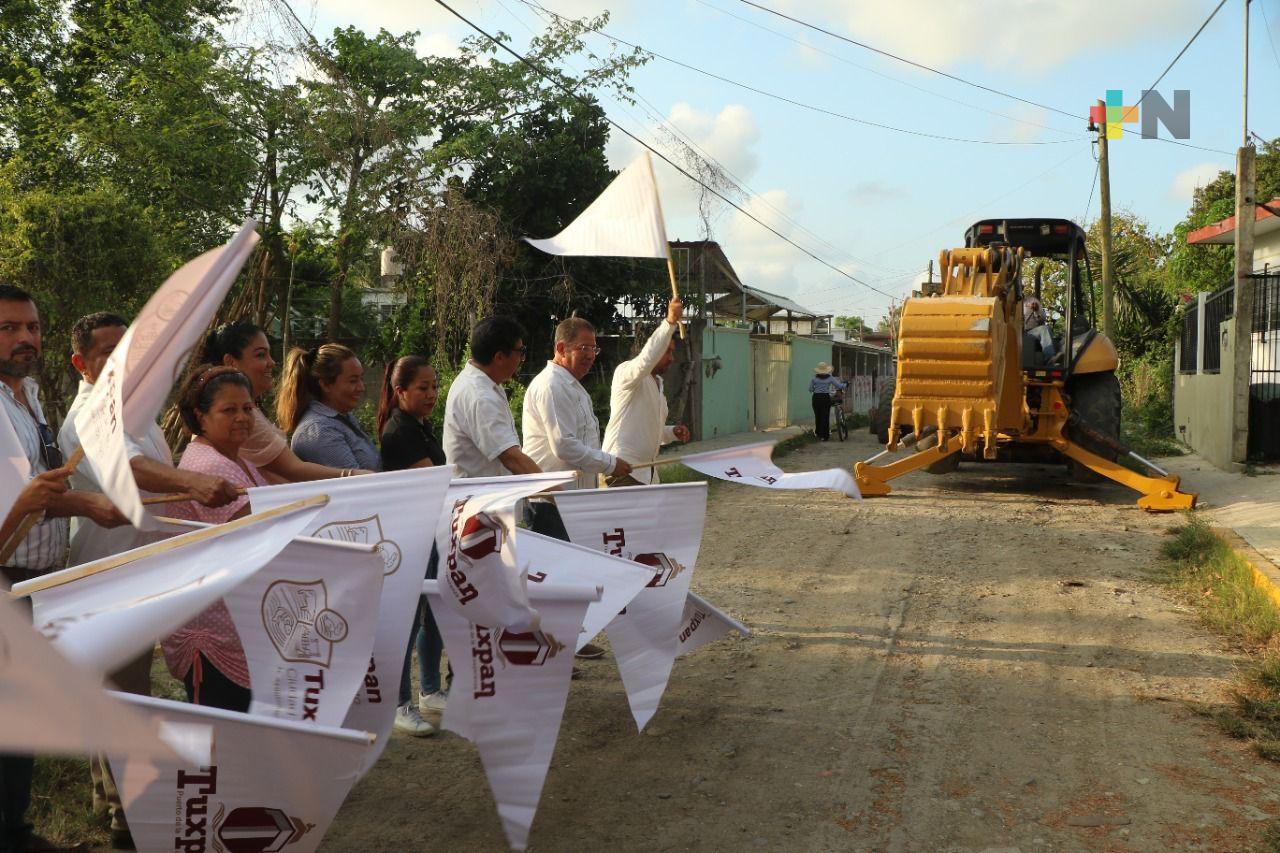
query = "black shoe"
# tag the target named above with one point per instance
(589, 652)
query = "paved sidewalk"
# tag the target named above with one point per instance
(1249, 505)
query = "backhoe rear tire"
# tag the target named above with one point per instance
(884, 407)
(1095, 397)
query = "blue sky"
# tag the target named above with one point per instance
(880, 204)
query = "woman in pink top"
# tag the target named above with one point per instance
(217, 406)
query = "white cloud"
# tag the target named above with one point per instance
(873, 192)
(1186, 182)
(1027, 36)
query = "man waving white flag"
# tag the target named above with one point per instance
(625, 221)
(149, 359)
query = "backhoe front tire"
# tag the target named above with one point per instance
(884, 407)
(1095, 397)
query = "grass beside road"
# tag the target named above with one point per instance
(1221, 586)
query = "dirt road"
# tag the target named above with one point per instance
(977, 662)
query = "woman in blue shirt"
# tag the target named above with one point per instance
(822, 386)
(320, 389)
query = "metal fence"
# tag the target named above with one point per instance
(1264, 370)
(1218, 307)
(1189, 343)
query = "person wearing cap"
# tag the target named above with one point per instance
(822, 386)
(1036, 323)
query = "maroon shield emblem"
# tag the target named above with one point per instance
(481, 536)
(664, 568)
(528, 648)
(257, 829)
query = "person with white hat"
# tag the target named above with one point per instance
(823, 386)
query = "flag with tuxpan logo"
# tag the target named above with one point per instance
(307, 621)
(509, 691)
(480, 575)
(659, 527)
(396, 511)
(15, 470)
(142, 370)
(268, 785)
(102, 615)
(752, 465)
(704, 623)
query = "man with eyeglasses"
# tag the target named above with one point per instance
(561, 431)
(480, 438)
(44, 549)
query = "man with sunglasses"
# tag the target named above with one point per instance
(561, 431)
(44, 549)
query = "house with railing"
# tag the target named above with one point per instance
(1204, 394)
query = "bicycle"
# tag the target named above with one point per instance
(839, 423)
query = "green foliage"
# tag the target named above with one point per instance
(76, 252)
(853, 324)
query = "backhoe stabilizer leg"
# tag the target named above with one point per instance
(873, 480)
(1159, 494)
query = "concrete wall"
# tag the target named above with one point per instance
(805, 353)
(726, 381)
(1202, 405)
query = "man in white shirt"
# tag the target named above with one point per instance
(480, 438)
(93, 339)
(638, 406)
(561, 432)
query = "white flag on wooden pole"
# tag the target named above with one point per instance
(752, 465)
(104, 614)
(704, 623)
(267, 784)
(141, 372)
(625, 221)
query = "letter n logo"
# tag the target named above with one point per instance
(1176, 119)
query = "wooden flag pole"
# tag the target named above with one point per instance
(671, 266)
(670, 460)
(15, 539)
(165, 545)
(181, 496)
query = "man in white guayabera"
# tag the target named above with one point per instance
(638, 406)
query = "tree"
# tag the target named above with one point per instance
(852, 323)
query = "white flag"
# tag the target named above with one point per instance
(269, 784)
(752, 465)
(50, 706)
(508, 695)
(553, 563)
(104, 619)
(480, 575)
(397, 511)
(307, 621)
(659, 527)
(15, 469)
(704, 623)
(624, 222)
(141, 372)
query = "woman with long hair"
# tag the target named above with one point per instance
(410, 389)
(320, 389)
(206, 654)
(243, 345)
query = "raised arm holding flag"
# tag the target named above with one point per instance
(625, 221)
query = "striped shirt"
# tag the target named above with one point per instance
(45, 548)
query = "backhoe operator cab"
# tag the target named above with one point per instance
(972, 383)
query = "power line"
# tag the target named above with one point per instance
(1267, 26)
(910, 62)
(553, 79)
(1097, 170)
(837, 57)
(1174, 62)
(803, 105)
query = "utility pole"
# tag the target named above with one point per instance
(1246, 211)
(1104, 195)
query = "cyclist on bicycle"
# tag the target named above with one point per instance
(823, 387)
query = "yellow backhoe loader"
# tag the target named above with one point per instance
(974, 382)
